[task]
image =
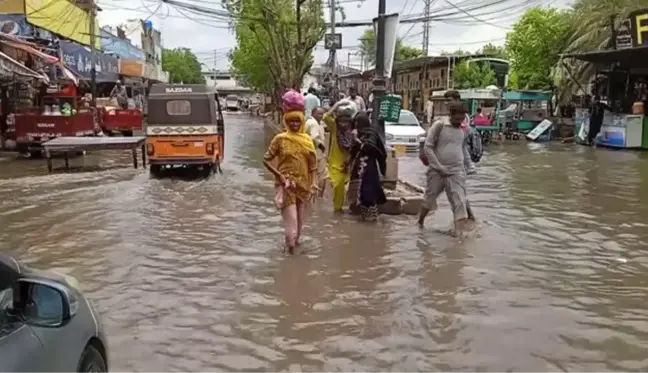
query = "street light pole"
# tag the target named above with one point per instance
(93, 55)
(379, 84)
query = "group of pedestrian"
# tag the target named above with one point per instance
(306, 163)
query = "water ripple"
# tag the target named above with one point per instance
(188, 275)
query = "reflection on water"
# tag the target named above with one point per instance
(189, 274)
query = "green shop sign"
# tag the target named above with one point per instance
(390, 107)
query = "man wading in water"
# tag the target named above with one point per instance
(446, 151)
(455, 98)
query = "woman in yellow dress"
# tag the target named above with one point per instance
(296, 174)
(339, 121)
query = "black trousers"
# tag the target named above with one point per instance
(595, 128)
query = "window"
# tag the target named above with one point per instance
(407, 118)
(178, 107)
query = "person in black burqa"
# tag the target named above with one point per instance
(596, 119)
(369, 162)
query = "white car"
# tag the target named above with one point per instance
(405, 135)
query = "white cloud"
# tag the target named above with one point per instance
(204, 36)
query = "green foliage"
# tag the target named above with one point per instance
(368, 48)
(497, 51)
(274, 50)
(458, 52)
(182, 65)
(473, 75)
(535, 43)
(405, 52)
(513, 80)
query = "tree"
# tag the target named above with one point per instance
(458, 52)
(275, 42)
(497, 51)
(535, 44)
(182, 65)
(474, 75)
(368, 49)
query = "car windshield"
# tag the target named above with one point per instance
(406, 119)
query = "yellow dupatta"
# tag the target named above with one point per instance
(300, 137)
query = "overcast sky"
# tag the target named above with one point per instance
(211, 40)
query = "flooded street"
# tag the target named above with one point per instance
(189, 276)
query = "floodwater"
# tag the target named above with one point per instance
(189, 275)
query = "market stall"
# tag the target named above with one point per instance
(622, 83)
(624, 89)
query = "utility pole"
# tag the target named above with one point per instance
(349, 59)
(379, 88)
(426, 27)
(93, 55)
(426, 43)
(214, 68)
(332, 54)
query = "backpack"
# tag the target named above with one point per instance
(474, 145)
(436, 127)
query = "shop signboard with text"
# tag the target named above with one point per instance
(79, 59)
(131, 68)
(121, 47)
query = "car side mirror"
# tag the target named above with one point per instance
(43, 302)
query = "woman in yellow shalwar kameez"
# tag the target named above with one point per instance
(340, 115)
(296, 174)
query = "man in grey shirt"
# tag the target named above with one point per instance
(446, 153)
(119, 92)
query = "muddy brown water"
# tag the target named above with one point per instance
(188, 275)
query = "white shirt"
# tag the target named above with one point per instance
(359, 101)
(310, 102)
(429, 111)
(316, 131)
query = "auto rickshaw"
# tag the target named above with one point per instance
(185, 127)
(487, 99)
(525, 111)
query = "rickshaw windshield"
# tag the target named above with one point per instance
(181, 110)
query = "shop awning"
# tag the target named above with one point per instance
(31, 50)
(10, 66)
(68, 74)
(626, 58)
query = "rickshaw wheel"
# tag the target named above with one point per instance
(155, 169)
(516, 136)
(486, 137)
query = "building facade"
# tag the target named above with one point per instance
(145, 37)
(415, 80)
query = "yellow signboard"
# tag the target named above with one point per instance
(61, 17)
(12, 6)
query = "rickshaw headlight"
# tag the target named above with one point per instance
(150, 149)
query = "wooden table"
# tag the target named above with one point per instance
(67, 144)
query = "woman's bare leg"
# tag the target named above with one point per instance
(301, 218)
(322, 186)
(291, 227)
